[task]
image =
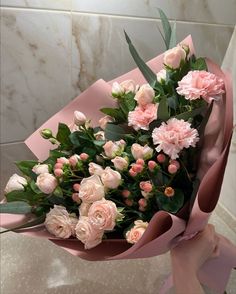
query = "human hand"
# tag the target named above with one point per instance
(192, 254)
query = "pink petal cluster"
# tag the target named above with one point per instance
(173, 136)
(201, 83)
(142, 116)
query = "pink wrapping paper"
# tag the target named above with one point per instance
(165, 229)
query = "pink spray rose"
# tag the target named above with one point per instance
(200, 83)
(173, 57)
(111, 179)
(136, 232)
(104, 120)
(142, 116)
(59, 223)
(95, 169)
(120, 163)
(84, 208)
(102, 214)
(112, 149)
(46, 182)
(87, 233)
(91, 189)
(144, 95)
(141, 152)
(173, 136)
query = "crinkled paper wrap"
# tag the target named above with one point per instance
(165, 229)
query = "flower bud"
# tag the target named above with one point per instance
(79, 118)
(169, 192)
(46, 133)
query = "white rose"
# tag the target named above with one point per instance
(46, 182)
(120, 163)
(40, 169)
(112, 149)
(144, 95)
(128, 86)
(84, 208)
(161, 76)
(117, 89)
(59, 223)
(111, 178)
(95, 169)
(173, 57)
(15, 183)
(79, 118)
(91, 189)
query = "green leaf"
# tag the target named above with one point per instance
(190, 114)
(75, 138)
(163, 111)
(32, 223)
(90, 151)
(16, 207)
(27, 196)
(63, 135)
(35, 188)
(173, 41)
(114, 132)
(199, 64)
(172, 102)
(116, 113)
(170, 204)
(144, 138)
(26, 166)
(148, 74)
(166, 27)
(99, 143)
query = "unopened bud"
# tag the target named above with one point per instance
(46, 133)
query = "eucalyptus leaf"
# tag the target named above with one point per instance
(148, 74)
(34, 187)
(172, 102)
(114, 132)
(173, 41)
(166, 27)
(16, 207)
(28, 196)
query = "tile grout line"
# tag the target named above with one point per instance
(113, 15)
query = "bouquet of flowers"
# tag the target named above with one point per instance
(149, 170)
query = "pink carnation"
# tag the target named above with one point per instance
(198, 84)
(142, 116)
(173, 136)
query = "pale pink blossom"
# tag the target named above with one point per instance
(15, 183)
(73, 160)
(120, 163)
(95, 169)
(63, 160)
(117, 89)
(40, 169)
(151, 165)
(46, 182)
(104, 121)
(84, 156)
(141, 152)
(113, 149)
(126, 193)
(135, 234)
(172, 169)
(91, 189)
(111, 179)
(79, 118)
(58, 165)
(173, 136)
(173, 57)
(161, 158)
(146, 186)
(200, 83)
(75, 198)
(142, 202)
(144, 95)
(76, 187)
(142, 116)
(59, 223)
(128, 86)
(161, 76)
(102, 214)
(87, 233)
(58, 172)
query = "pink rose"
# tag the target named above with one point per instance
(59, 223)
(111, 179)
(144, 95)
(128, 86)
(135, 234)
(102, 214)
(84, 208)
(104, 120)
(87, 233)
(146, 186)
(173, 136)
(141, 117)
(46, 182)
(95, 169)
(143, 152)
(120, 163)
(200, 83)
(91, 189)
(15, 183)
(40, 169)
(173, 57)
(112, 149)
(79, 118)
